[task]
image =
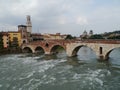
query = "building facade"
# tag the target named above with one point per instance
(37, 37)
(54, 36)
(15, 38)
(5, 38)
(86, 35)
(24, 34)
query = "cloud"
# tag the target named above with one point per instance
(65, 16)
(7, 27)
(81, 20)
(62, 20)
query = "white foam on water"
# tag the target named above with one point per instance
(76, 76)
(28, 60)
(30, 74)
(63, 60)
(50, 80)
(29, 82)
(92, 77)
(108, 73)
(1, 85)
(27, 76)
(44, 76)
(99, 81)
(20, 88)
(38, 82)
(45, 65)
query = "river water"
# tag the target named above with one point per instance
(59, 72)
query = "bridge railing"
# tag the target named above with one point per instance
(100, 41)
(75, 41)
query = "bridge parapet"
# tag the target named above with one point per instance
(100, 41)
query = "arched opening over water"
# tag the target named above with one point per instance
(39, 50)
(58, 49)
(114, 55)
(27, 50)
(84, 53)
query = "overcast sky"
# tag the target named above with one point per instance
(64, 16)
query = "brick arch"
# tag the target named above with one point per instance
(42, 48)
(52, 47)
(27, 47)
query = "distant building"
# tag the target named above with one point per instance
(26, 30)
(85, 35)
(29, 24)
(90, 33)
(37, 37)
(54, 36)
(24, 34)
(15, 37)
(4, 39)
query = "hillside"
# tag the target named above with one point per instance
(112, 35)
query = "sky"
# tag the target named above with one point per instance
(61, 16)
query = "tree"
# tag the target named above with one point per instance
(114, 37)
(70, 37)
(96, 36)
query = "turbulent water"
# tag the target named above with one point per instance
(58, 72)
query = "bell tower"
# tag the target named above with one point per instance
(29, 24)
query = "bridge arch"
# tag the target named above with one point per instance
(77, 48)
(55, 48)
(39, 49)
(108, 52)
(27, 50)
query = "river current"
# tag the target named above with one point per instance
(59, 72)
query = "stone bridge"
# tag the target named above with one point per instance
(102, 48)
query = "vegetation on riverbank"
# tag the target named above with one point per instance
(106, 35)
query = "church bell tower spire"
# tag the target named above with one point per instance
(29, 24)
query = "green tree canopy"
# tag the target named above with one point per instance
(96, 36)
(70, 37)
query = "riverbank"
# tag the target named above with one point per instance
(10, 51)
